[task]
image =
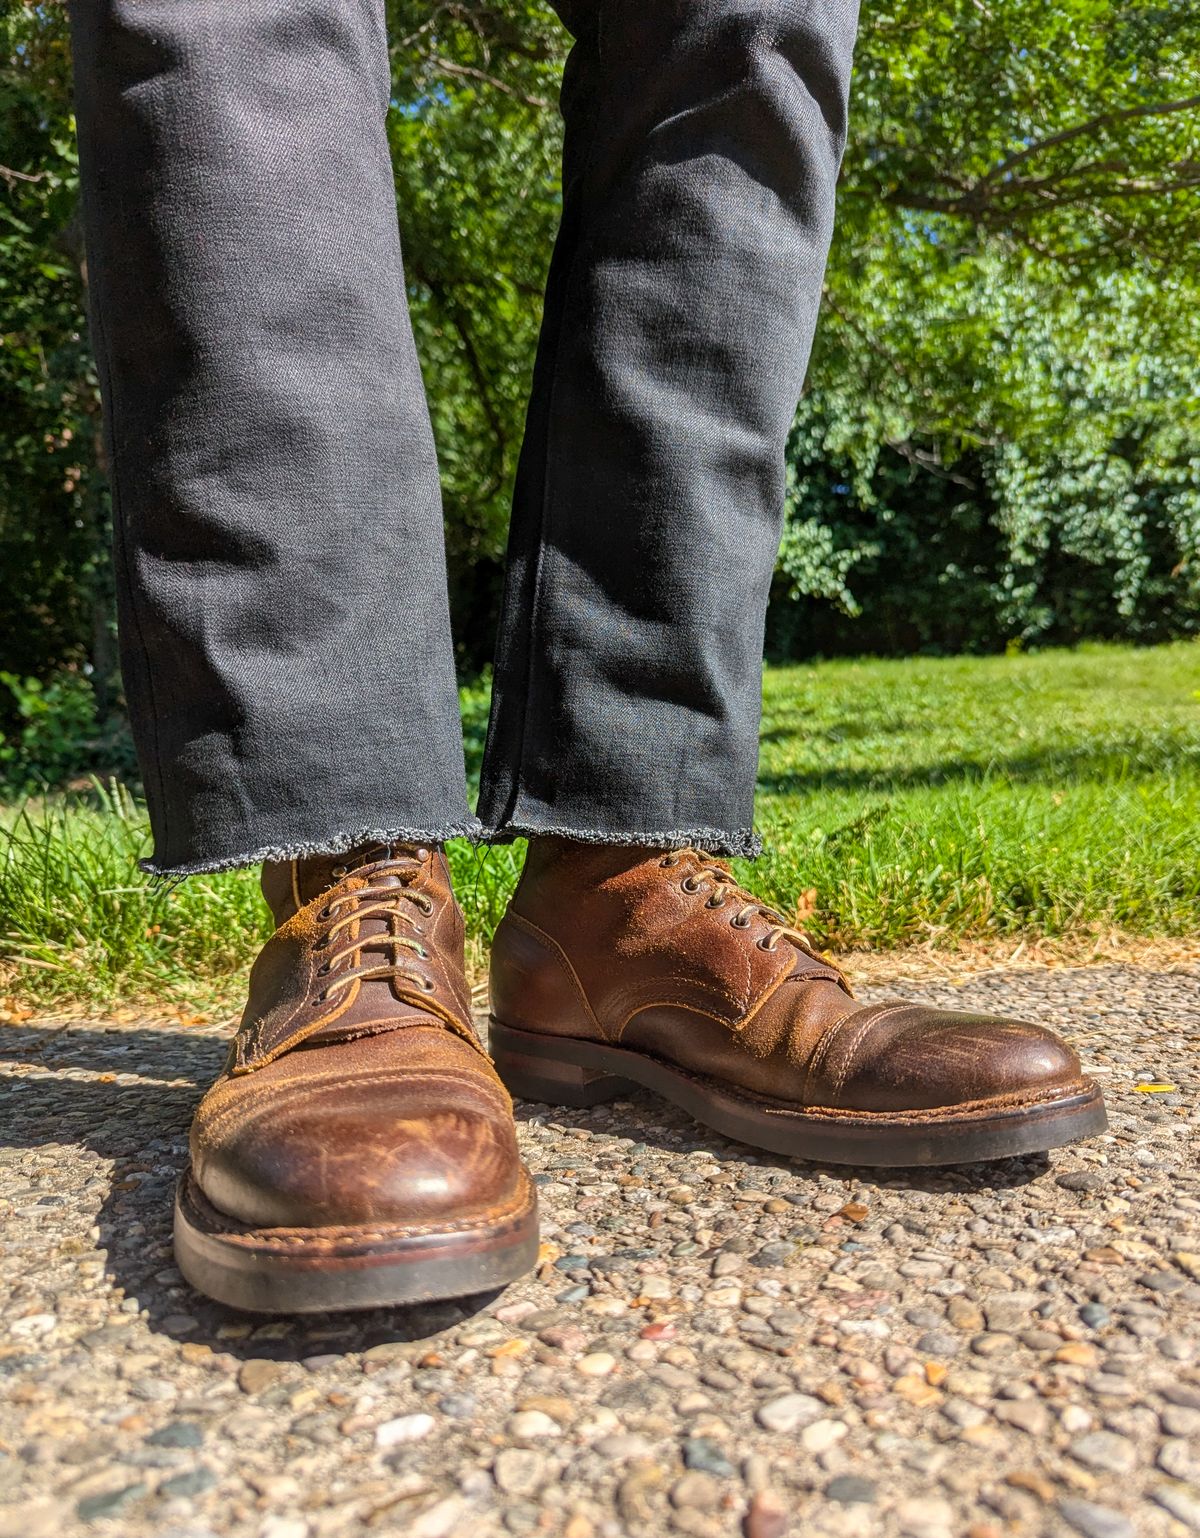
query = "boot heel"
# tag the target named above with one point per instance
(528, 1075)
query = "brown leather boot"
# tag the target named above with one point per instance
(613, 968)
(358, 1148)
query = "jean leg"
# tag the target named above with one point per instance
(280, 557)
(703, 142)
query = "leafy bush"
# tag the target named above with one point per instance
(58, 736)
(1000, 440)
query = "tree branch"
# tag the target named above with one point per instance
(449, 67)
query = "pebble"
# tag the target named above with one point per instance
(767, 1516)
(1096, 1521)
(32, 1326)
(851, 1490)
(939, 1344)
(703, 1454)
(624, 1445)
(820, 1436)
(992, 1345)
(176, 1434)
(1104, 1451)
(188, 1484)
(405, 1428)
(1082, 1180)
(444, 1519)
(1009, 1314)
(789, 1412)
(597, 1364)
(1179, 1421)
(517, 1471)
(1179, 1458)
(1181, 1503)
(258, 1374)
(1029, 1415)
(964, 1315)
(924, 1517)
(108, 1503)
(697, 1490)
(762, 1373)
(284, 1527)
(528, 1425)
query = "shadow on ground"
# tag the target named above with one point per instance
(142, 1128)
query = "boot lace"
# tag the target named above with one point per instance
(389, 895)
(725, 890)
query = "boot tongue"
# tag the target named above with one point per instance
(291, 884)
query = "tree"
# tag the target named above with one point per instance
(1011, 325)
(999, 435)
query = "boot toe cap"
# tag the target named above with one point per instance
(915, 1058)
(350, 1150)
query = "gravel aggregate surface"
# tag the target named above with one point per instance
(715, 1341)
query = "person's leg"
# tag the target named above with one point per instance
(702, 151)
(703, 143)
(286, 642)
(284, 624)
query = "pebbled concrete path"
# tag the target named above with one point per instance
(715, 1343)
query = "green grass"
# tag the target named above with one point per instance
(921, 800)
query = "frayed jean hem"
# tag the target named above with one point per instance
(335, 843)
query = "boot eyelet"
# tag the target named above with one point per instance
(428, 985)
(668, 860)
(323, 969)
(764, 945)
(339, 871)
(715, 901)
(690, 885)
(737, 923)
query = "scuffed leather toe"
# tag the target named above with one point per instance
(909, 1057)
(347, 1135)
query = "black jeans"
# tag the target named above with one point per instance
(281, 571)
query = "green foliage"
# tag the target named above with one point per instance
(475, 144)
(933, 800)
(1000, 436)
(53, 506)
(999, 439)
(948, 799)
(77, 922)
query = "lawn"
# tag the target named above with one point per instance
(925, 800)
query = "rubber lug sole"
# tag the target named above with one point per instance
(566, 1071)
